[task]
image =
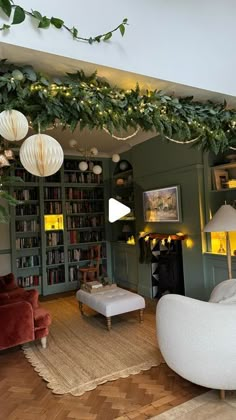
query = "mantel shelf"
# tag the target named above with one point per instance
(165, 236)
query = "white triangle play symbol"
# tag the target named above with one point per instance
(117, 210)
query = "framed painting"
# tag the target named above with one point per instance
(162, 205)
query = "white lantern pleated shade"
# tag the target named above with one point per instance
(13, 125)
(41, 155)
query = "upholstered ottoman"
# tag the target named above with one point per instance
(111, 302)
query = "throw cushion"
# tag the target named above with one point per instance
(224, 292)
(7, 283)
(4, 298)
(19, 295)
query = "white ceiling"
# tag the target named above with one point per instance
(56, 66)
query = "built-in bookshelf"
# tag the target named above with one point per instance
(49, 257)
(26, 230)
(123, 191)
(84, 208)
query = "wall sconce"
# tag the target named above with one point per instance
(87, 155)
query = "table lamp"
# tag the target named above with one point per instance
(224, 220)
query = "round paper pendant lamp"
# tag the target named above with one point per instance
(13, 125)
(83, 166)
(41, 155)
(97, 169)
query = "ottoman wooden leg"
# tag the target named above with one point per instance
(141, 316)
(81, 308)
(108, 323)
(44, 342)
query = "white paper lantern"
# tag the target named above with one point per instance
(83, 166)
(97, 169)
(41, 155)
(115, 158)
(13, 125)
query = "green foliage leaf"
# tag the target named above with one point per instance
(125, 20)
(107, 36)
(6, 180)
(6, 6)
(9, 198)
(36, 15)
(4, 215)
(4, 26)
(19, 15)
(58, 23)
(30, 73)
(122, 29)
(74, 32)
(44, 22)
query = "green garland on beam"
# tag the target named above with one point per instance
(91, 102)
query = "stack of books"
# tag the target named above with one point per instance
(96, 286)
(92, 286)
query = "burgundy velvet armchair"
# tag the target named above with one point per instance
(21, 318)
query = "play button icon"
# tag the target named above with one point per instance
(117, 210)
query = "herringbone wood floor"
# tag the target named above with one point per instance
(25, 396)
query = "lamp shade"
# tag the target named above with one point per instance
(41, 155)
(13, 125)
(224, 220)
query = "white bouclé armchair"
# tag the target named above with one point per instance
(198, 339)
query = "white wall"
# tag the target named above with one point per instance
(185, 41)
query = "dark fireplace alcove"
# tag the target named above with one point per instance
(164, 254)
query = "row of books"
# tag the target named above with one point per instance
(84, 221)
(85, 207)
(54, 238)
(53, 207)
(27, 226)
(75, 236)
(29, 281)
(55, 276)
(27, 243)
(23, 195)
(53, 193)
(82, 254)
(74, 274)
(83, 194)
(55, 257)
(26, 176)
(27, 210)
(83, 178)
(29, 261)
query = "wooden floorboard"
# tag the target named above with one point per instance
(25, 396)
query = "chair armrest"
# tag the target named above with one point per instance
(16, 324)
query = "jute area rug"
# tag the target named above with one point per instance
(82, 353)
(204, 407)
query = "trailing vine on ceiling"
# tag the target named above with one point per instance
(91, 102)
(16, 15)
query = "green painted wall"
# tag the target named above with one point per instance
(159, 164)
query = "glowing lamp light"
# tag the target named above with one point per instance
(41, 155)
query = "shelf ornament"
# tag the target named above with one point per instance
(13, 125)
(41, 155)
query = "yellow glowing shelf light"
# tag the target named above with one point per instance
(53, 222)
